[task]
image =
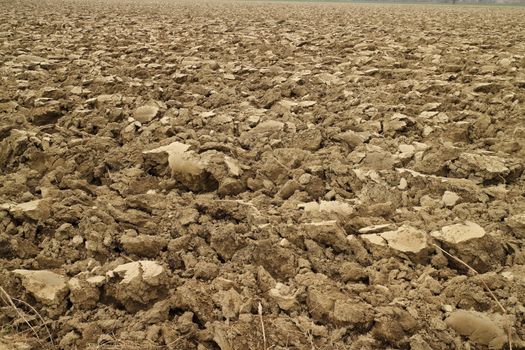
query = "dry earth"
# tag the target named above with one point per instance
(261, 176)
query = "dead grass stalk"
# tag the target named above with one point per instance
(10, 301)
(484, 284)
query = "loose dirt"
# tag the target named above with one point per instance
(261, 176)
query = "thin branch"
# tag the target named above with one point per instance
(484, 284)
(260, 311)
(9, 301)
(475, 272)
(44, 323)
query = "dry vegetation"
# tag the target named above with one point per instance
(261, 176)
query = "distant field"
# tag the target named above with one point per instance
(472, 3)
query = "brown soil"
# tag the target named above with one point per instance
(261, 176)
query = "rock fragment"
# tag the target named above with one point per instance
(84, 291)
(105, 100)
(309, 140)
(205, 270)
(46, 114)
(145, 114)
(478, 327)
(231, 303)
(449, 199)
(18, 148)
(351, 138)
(469, 242)
(30, 59)
(515, 274)
(407, 151)
(347, 313)
(397, 123)
(204, 172)
(376, 228)
(307, 104)
(393, 326)
(458, 233)
(143, 245)
(137, 284)
(517, 224)
(47, 287)
(288, 189)
(329, 304)
(485, 167)
(328, 233)
(37, 210)
(406, 239)
(432, 106)
(185, 166)
(328, 207)
(158, 159)
(268, 126)
(378, 159)
(487, 87)
(283, 296)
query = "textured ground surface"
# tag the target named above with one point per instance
(177, 176)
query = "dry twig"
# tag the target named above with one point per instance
(484, 284)
(8, 300)
(260, 311)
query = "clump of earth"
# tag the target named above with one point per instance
(223, 176)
